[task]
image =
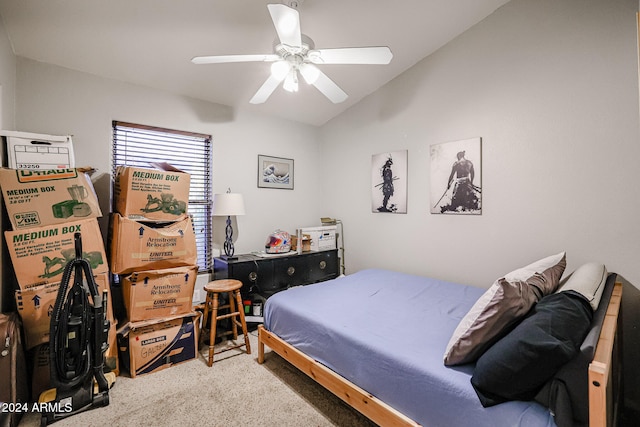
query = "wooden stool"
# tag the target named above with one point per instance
(232, 289)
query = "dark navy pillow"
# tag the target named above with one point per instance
(520, 363)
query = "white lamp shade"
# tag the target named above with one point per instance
(309, 72)
(228, 204)
(280, 69)
(291, 81)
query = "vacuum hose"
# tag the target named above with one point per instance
(75, 324)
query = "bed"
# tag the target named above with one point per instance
(376, 339)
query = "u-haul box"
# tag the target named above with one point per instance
(39, 255)
(151, 194)
(151, 246)
(153, 345)
(44, 197)
(159, 293)
(38, 151)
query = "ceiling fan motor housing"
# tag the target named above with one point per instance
(285, 50)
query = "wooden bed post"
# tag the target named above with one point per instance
(605, 373)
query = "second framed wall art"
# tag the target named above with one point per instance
(275, 172)
(456, 178)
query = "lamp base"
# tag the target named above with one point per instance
(228, 257)
(228, 242)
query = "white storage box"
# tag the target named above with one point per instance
(38, 151)
(322, 238)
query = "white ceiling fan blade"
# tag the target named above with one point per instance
(266, 89)
(352, 55)
(222, 59)
(287, 23)
(328, 88)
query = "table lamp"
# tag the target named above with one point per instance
(228, 204)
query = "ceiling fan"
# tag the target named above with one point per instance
(295, 52)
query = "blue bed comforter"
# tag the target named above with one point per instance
(386, 332)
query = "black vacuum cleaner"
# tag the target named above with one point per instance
(78, 338)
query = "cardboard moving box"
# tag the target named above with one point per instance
(151, 346)
(159, 293)
(40, 374)
(40, 254)
(35, 198)
(137, 246)
(36, 304)
(151, 194)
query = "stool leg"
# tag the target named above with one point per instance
(232, 309)
(212, 328)
(207, 302)
(242, 321)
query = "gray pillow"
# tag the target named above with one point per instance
(505, 303)
(589, 281)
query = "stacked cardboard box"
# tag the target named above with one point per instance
(46, 208)
(153, 252)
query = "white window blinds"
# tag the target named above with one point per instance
(138, 145)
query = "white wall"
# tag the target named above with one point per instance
(7, 81)
(56, 100)
(551, 86)
(7, 99)
(552, 89)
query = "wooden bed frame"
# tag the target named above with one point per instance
(605, 374)
(605, 371)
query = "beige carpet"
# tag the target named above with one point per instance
(235, 391)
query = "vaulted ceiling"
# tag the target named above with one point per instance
(151, 43)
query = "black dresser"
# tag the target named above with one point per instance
(265, 276)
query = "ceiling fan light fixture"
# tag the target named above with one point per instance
(291, 82)
(280, 69)
(309, 72)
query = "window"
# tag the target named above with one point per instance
(138, 145)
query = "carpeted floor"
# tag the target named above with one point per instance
(235, 391)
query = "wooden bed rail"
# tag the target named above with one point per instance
(375, 409)
(605, 373)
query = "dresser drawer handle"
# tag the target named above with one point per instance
(253, 276)
(291, 271)
(323, 265)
